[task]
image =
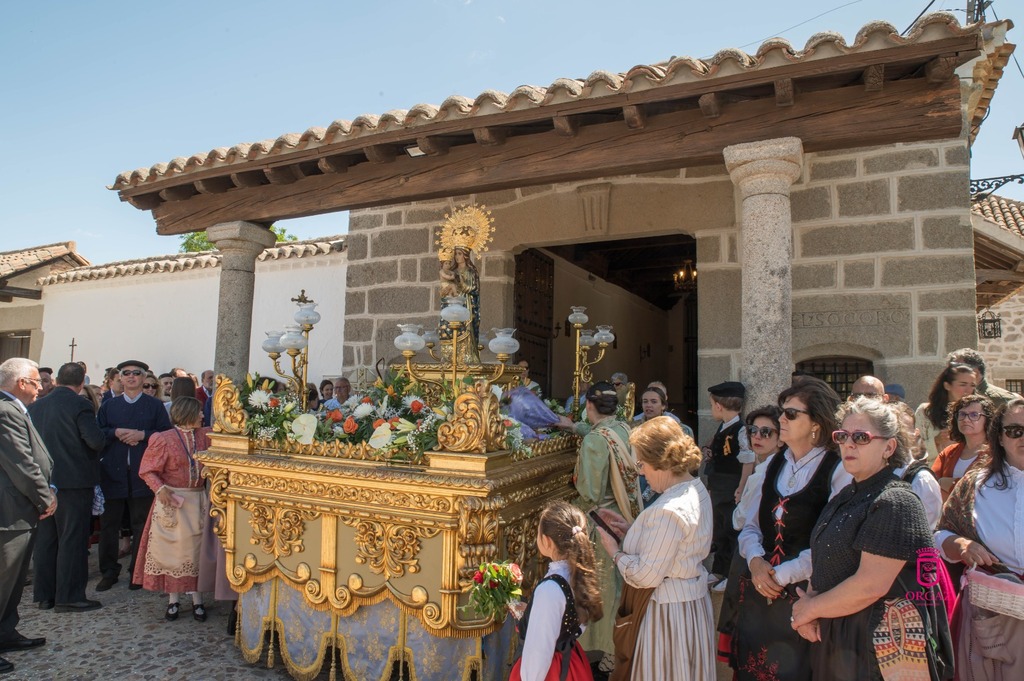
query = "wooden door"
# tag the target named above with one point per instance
(534, 310)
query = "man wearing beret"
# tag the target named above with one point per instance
(730, 461)
(127, 421)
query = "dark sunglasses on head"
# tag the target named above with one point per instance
(972, 416)
(131, 372)
(859, 437)
(1014, 432)
(791, 413)
(763, 431)
(149, 386)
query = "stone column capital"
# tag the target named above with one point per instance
(241, 238)
(765, 167)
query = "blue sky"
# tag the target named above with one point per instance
(95, 88)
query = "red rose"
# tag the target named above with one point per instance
(335, 416)
(507, 423)
(415, 406)
(493, 584)
(478, 577)
(274, 402)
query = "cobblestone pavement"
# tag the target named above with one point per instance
(128, 639)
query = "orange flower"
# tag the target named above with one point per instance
(391, 391)
(367, 400)
(415, 406)
(378, 423)
(273, 402)
(335, 415)
(350, 425)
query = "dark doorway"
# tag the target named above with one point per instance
(534, 309)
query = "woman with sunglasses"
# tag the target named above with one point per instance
(763, 436)
(151, 386)
(981, 526)
(775, 540)
(932, 417)
(866, 550)
(968, 428)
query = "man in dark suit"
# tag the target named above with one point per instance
(25, 495)
(68, 425)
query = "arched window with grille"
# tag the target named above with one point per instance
(839, 372)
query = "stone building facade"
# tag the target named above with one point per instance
(882, 262)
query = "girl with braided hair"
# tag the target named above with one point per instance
(563, 603)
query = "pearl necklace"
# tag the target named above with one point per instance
(791, 483)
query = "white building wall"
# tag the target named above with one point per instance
(170, 319)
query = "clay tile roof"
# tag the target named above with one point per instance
(773, 53)
(1007, 213)
(194, 261)
(14, 262)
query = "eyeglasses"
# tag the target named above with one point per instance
(132, 372)
(639, 465)
(149, 386)
(791, 413)
(972, 416)
(1014, 432)
(617, 384)
(859, 437)
(36, 381)
(763, 431)
(873, 396)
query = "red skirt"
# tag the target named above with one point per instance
(579, 667)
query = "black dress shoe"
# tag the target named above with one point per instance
(172, 612)
(5, 666)
(45, 605)
(134, 587)
(20, 642)
(78, 606)
(105, 583)
(199, 612)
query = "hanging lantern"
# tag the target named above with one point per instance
(686, 278)
(989, 325)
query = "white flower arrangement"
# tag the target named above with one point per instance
(362, 410)
(259, 399)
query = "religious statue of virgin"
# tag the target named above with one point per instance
(465, 232)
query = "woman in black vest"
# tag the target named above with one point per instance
(775, 541)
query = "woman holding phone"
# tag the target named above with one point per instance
(665, 625)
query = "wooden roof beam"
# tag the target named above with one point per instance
(17, 292)
(335, 164)
(283, 174)
(490, 136)
(998, 275)
(178, 192)
(906, 111)
(874, 78)
(382, 153)
(214, 185)
(566, 126)
(635, 116)
(784, 94)
(433, 145)
(249, 179)
(144, 201)
(711, 104)
(940, 69)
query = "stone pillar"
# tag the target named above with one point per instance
(240, 243)
(763, 173)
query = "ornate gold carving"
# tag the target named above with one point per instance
(464, 432)
(478, 534)
(389, 549)
(467, 227)
(228, 414)
(278, 531)
(218, 478)
(521, 547)
(325, 491)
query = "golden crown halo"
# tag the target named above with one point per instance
(468, 227)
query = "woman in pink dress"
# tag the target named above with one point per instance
(173, 534)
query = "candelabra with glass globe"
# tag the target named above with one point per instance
(294, 341)
(585, 340)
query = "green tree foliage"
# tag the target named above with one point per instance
(194, 242)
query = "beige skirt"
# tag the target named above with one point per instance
(676, 642)
(176, 534)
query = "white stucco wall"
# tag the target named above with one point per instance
(170, 319)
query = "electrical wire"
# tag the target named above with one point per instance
(758, 42)
(927, 7)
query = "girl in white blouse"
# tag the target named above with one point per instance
(563, 602)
